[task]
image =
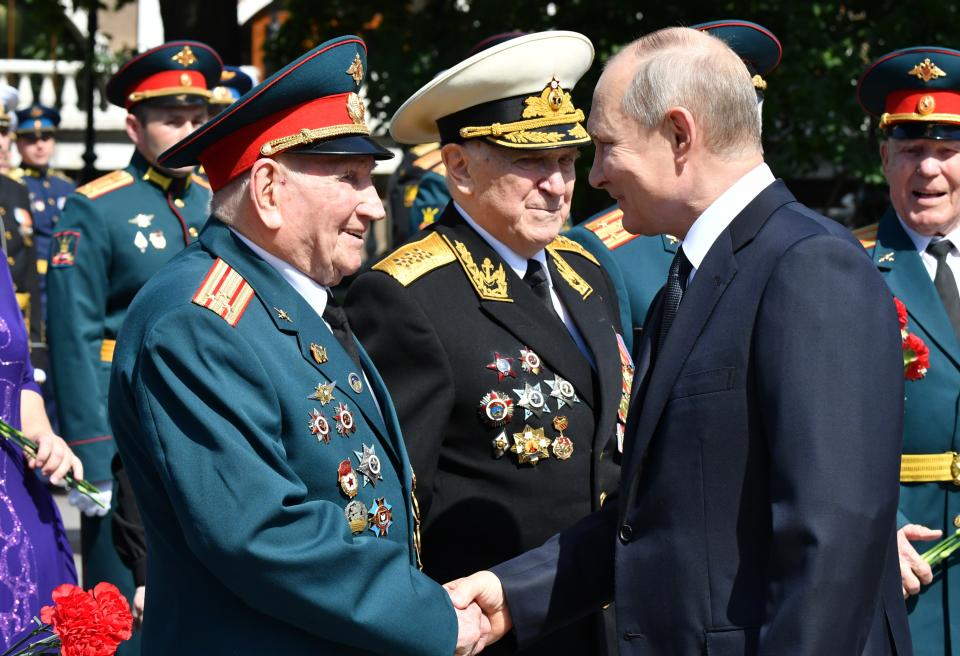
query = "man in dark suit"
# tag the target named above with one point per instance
(758, 497)
(498, 339)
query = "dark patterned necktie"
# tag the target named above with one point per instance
(946, 282)
(673, 293)
(336, 318)
(536, 277)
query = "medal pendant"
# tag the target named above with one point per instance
(319, 426)
(344, 419)
(380, 517)
(530, 361)
(496, 409)
(356, 514)
(347, 479)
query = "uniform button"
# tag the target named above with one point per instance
(8, 234)
(626, 532)
(51, 201)
(603, 497)
(956, 521)
(178, 203)
(11, 261)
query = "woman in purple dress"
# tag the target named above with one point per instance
(35, 556)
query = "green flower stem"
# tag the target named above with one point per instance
(45, 642)
(943, 549)
(29, 448)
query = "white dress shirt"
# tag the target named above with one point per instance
(721, 213)
(929, 261)
(519, 265)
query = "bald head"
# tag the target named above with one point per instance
(681, 67)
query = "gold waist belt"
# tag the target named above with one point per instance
(933, 468)
(106, 349)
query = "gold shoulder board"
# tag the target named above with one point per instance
(413, 260)
(16, 174)
(224, 292)
(562, 243)
(867, 235)
(200, 180)
(609, 229)
(105, 184)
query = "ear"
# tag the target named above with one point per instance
(267, 179)
(456, 160)
(134, 129)
(682, 131)
(884, 154)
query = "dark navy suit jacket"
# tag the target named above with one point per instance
(759, 488)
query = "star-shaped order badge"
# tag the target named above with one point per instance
(344, 419)
(323, 393)
(503, 366)
(380, 516)
(347, 479)
(530, 361)
(319, 426)
(530, 445)
(563, 391)
(531, 400)
(369, 465)
(495, 409)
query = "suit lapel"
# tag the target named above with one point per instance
(897, 258)
(522, 313)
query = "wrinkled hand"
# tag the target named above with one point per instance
(914, 570)
(87, 506)
(483, 589)
(54, 458)
(137, 609)
(472, 630)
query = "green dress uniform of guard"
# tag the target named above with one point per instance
(267, 461)
(915, 94)
(114, 234)
(511, 412)
(638, 264)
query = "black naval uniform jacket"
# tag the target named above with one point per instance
(21, 256)
(437, 315)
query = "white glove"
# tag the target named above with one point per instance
(39, 376)
(88, 506)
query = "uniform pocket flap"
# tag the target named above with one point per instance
(732, 641)
(703, 382)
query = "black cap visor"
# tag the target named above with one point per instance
(346, 145)
(923, 130)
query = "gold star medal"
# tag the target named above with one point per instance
(530, 445)
(323, 393)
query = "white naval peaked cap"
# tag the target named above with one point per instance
(494, 95)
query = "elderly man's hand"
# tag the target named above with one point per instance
(914, 570)
(483, 589)
(136, 609)
(472, 630)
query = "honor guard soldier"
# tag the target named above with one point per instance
(499, 339)
(915, 95)
(260, 441)
(233, 84)
(18, 240)
(113, 235)
(638, 264)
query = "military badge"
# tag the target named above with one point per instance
(355, 384)
(142, 221)
(369, 465)
(282, 315)
(323, 393)
(530, 361)
(193, 232)
(531, 400)
(496, 409)
(65, 253)
(141, 242)
(500, 445)
(318, 353)
(563, 391)
(530, 445)
(158, 240)
(380, 517)
(319, 426)
(562, 445)
(356, 514)
(347, 479)
(503, 366)
(38, 206)
(344, 419)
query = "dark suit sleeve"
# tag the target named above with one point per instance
(129, 537)
(407, 351)
(829, 384)
(569, 577)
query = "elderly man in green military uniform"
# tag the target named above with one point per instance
(497, 337)
(638, 264)
(260, 440)
(114, 234)
(915, 94)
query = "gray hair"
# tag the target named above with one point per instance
(228, 201)
(681, 67)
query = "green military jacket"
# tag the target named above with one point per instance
(244, 426)
(931, 425)
(113, 235)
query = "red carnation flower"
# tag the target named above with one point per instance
(916, 358)
(89, 623)
(901, 314)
